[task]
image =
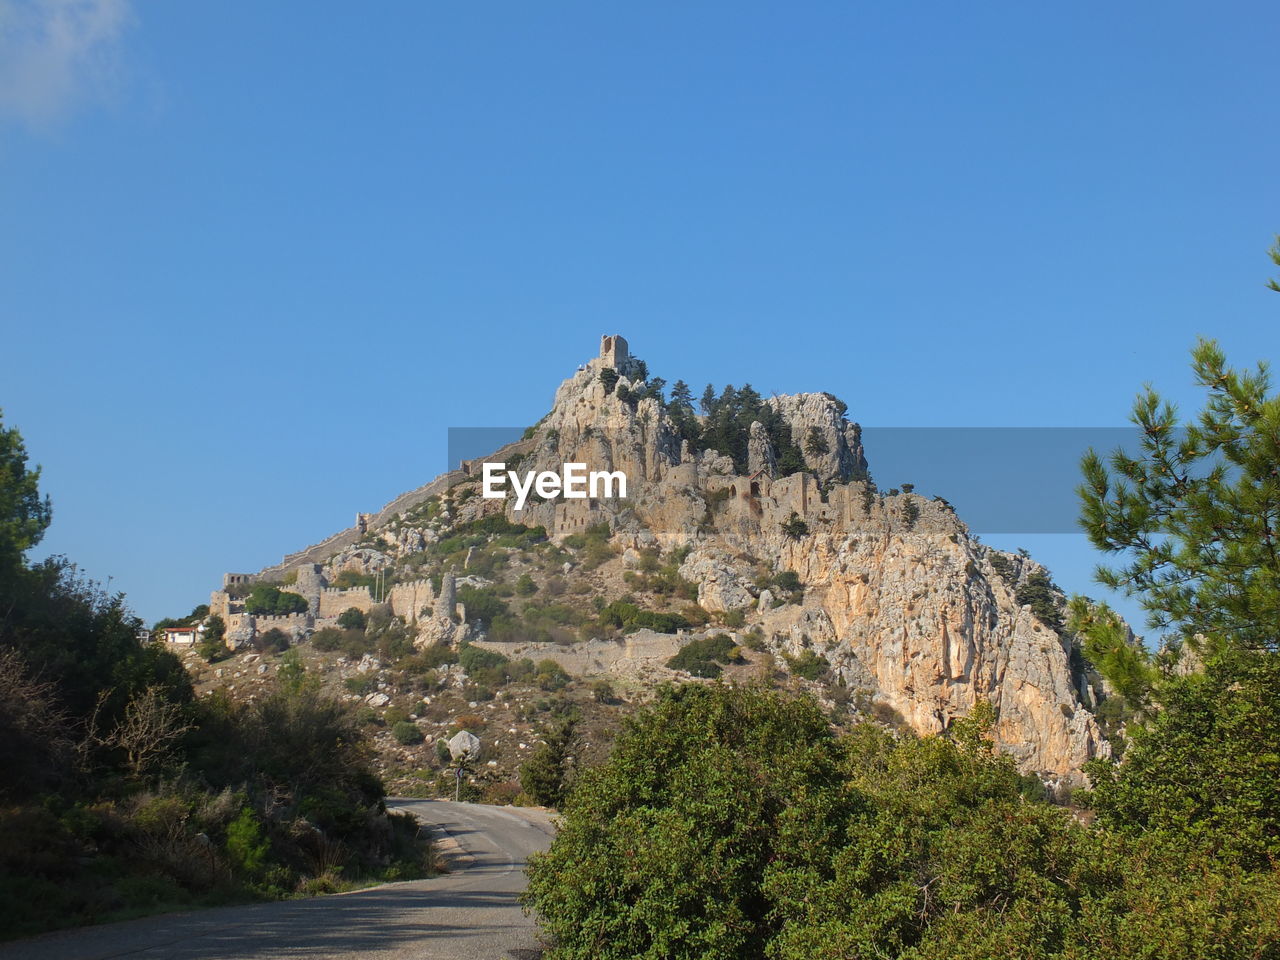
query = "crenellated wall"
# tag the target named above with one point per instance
(335, 600)
(411, 600)
(294, 624)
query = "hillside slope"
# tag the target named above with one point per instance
(757, 519)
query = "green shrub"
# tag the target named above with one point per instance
(807, 664)
(482, 604)
(630, 617)
(406, 733)
(525, 586)
(551, 675)
(362, 683)
(247, 846)
(660, 622)
(213, 642)
(794, 528)
(431, 658)
(679, 825)
(274, 640)
(351, 579)
(474, 659)
(356, 643)
(703, 657)
(327, 639)
(352, 618)
(788, 580)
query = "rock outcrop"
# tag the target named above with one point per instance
(913, 614)
(903, 603)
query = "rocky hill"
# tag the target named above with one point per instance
(752, 534)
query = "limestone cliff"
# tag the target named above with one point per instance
(898, 596)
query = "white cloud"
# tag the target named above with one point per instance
(55, 54)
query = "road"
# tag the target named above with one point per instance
(470, 913)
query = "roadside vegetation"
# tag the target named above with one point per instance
(121, 793)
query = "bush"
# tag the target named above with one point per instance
(356, 643)
(680, 824)
(362, 683)
(352, 618)
(246, 845)
(431, 658)
(475, 658)
(551, 675)
(406, 733)
(660, 622)
(630, 617)
(274, 640)
(787, 580)
(213, 641)
(327, 639)
(793, 528)
(482, 604)
(124, 793)
(703, 657)
(1207, 766)
(807, 664)
(525, 586)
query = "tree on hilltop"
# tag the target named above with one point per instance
(24, 514)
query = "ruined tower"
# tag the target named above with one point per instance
(310, 583)
(446, 607)
(614, 352)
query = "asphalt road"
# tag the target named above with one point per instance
(469, 914)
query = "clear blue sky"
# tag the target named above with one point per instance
(255, 261)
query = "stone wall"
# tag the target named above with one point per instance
(639, 652)
(294, 624)
(411, 600)
(334, 601)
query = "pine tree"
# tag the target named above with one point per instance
(24, 514)
(1195, 515)
(708, 400)
(681, 397)
(545, 776)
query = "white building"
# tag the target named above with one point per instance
(183, 636)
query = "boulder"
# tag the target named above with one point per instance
(464, 745)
